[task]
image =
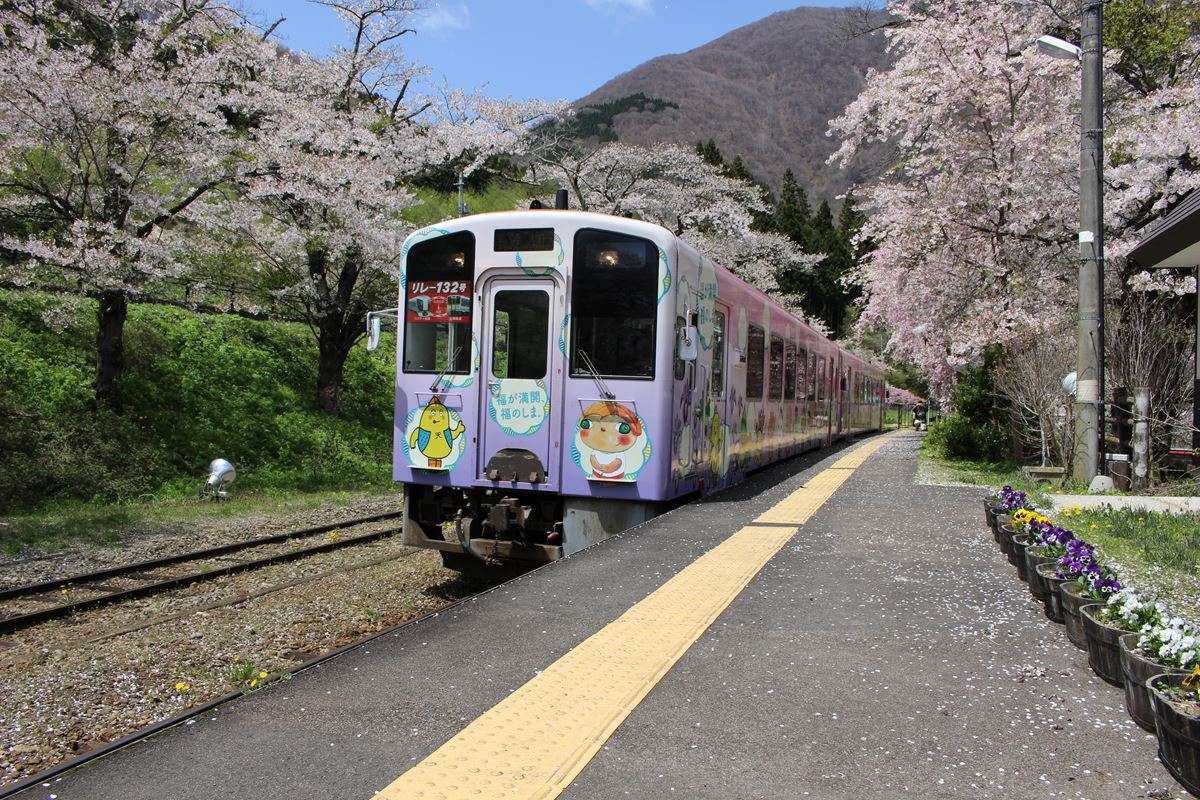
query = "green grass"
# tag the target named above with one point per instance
(1159, 553)
(196, 388)
(72, 522)
(1169, 540)
(438, 206)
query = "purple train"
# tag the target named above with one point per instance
(563, 376)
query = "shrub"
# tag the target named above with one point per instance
(955, 436)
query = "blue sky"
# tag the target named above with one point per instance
(553, 49)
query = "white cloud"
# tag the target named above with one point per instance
(637, 6)
(443, 19)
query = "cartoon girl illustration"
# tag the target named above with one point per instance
(611, 442)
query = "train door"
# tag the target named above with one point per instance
(519, 413)
(690, 390)
(719, 425)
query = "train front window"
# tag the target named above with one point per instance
(521, 334)
(614, 300)
(437, 305)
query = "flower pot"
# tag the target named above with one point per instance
(1072, 599)
(989, 514)
(1034, 558)
(1138, 670)
(1178, 734)
(1053, 600)
(1104, 646)
(1020, 543)
(1006, 534)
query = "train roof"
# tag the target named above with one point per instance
(650, 230)
(546, 216)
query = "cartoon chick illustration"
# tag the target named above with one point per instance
(610, 430)
(433, 435)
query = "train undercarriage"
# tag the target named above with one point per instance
(485, 529)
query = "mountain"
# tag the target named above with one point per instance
(765, 91)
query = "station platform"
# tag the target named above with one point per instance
(827, 629)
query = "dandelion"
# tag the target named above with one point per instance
(180, 686)
(262, 675)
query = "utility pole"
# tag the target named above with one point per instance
(1196, 388)
(463, 209)
(1089, 397)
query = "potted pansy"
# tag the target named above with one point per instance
(1125, 612)
(1086, 581)
(1000, 504)
(1171, 647)
(1023, 525)
(1176, 701)
(1048, 545)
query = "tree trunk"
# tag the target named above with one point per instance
(110, 347)
(331, 363)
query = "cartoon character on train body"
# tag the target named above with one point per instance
(611, 442)
(435, 433)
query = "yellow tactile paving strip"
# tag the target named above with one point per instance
(533, 743)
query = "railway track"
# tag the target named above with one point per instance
(24, 606)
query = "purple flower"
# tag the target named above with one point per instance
(1010, 499)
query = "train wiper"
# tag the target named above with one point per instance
(601, 386)
(453, 358)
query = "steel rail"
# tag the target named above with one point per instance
(56, 584)
(22, 621)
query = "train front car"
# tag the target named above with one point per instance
(534, 382)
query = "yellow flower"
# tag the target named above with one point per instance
(1193, 680)
(180, 686)
(262, 675)
(254, 683)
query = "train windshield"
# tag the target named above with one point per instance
(437, 305)
(614, 299)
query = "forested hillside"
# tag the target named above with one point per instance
(766, 91)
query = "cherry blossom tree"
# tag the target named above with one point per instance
(322, 220)
(975, 223)
(676, 188)
(117, 119)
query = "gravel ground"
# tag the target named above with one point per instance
(155, 540)
(70, 685)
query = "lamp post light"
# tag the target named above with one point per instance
(1089, 394)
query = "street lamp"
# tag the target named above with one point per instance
(1089, 393)
(1058, 48)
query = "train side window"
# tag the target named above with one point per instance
(776, 387)
(521, 334)
(718, 358)
(822, 385)
(812, 377)
(802, 373)
(437, 305)
(614, 302)
(756, 345)
(789, 371)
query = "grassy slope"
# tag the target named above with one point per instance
(196, 388)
